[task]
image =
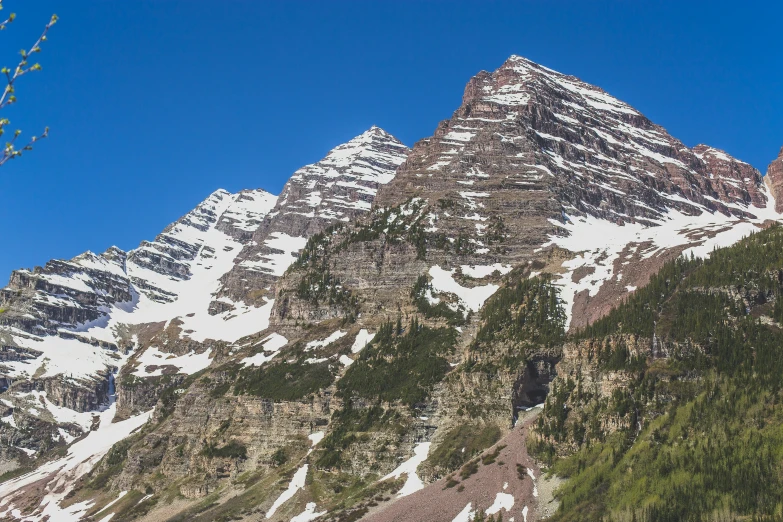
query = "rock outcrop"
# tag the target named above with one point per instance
(774, 180)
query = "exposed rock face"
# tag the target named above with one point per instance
(534, 158)
(774, 180)
(67, 327)
(261, 425)
(734, 181)
(187, 241)
(63, 294)
(552, 138)
(338, 189)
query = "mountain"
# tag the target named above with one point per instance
(668, 407)
(68, 327)
(339, 188)
(536, 155)
(372, 344)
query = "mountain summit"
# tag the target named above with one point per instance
(337, 189)
(588, 151)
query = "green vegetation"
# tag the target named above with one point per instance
(279, 457)
(521, 316)
(469, 469)
(14, 149)
(474, 438)
(700, 426)
(13, 473)
(718, 452)
(403, 223)
(232, 450)
(399, 366)
(316, 248)
(350, 425)
(132, 507)
(284, 381)
(348, 496)
(480, 516)
(320, 286)
(528, 309)
(441, 310)
(395, 225)
(490, 458)
(497, 231)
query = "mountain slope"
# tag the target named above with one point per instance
(669, 406)
(774, 180)
(532, 153)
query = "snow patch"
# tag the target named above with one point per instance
(482, 271)
(189, 363)
(308, 514)
(270, 347)
(471, 298)
(312, 345)
(297, 483)
(502, 501)
(466, 515)
(64, 472)
(674, 229)
(413, 482)
(363, 338)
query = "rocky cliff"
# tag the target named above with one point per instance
(774, 180)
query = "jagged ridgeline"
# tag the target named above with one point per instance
(671, 407)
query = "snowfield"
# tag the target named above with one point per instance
(581, 236)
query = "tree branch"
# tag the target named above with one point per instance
(8, 97)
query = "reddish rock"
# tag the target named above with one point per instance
(774, 180)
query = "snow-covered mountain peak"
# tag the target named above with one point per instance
(367, 157)
(704, 151)
(519, 81)
(578, 145)
(339, 188)
(536, 157)
(76, 307)
(535, 172)
(345, 181)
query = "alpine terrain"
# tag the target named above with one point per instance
(549, 309)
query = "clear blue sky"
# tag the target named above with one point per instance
(154, 104)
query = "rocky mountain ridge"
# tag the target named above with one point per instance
(346, 339)
(68, 327)
(338, 189)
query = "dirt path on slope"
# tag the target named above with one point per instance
(495, 484)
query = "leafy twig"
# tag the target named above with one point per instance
(8, 97)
